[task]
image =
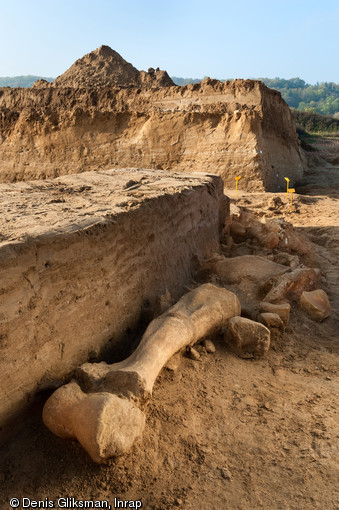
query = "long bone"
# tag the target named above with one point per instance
(94, 409)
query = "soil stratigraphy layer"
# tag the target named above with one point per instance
(81, 255)
(238, 128)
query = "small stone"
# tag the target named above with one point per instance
(315, 304)
(281, 309)
(275, 202)
(225, 474)
(201, 350)
(173, 363)
(247, 338)
(209, 346)
(193, 354)
(271, 320)
(267, 406)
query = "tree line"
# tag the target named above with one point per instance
(20, 81)
(321, 98)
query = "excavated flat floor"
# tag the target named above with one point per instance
(74, 202)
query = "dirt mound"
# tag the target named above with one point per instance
(105, 67)
(232, 129)
(155, 78)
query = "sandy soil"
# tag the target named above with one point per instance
(230, 128)
(222, 432)
(74, 202)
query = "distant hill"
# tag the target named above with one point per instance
(21, 81)
(185, 81)
(321, 98)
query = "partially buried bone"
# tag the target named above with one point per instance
(94, 409)
(104, 424)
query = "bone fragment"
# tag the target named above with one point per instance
(209, 346)
(193, 354)
(271, 320)
(247, 338)
(315, 304)
(281, 309)
(104, 424)
(251, 267)
(94, 409)
(293, 284)
(199, 313)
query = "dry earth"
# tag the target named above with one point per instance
(103, 113)
(105, 67)
(222, 432)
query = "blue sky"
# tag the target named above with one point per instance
(220, 39)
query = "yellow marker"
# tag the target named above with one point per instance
(291, 190)
(288, 181)
(236, 185)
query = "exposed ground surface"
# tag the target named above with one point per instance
(326, 145)
(222, 432)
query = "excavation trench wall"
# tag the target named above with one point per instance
(80, 256)
(230, 129)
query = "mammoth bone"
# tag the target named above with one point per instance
(102, 407)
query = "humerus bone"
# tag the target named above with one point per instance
(104, 424)
(94, 410)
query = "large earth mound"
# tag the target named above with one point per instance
(238, 128)
(105, 67)
(103, 113)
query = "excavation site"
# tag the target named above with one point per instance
(169, 293)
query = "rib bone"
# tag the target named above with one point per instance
(95, 410)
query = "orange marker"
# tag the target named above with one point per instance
(291, 190)
(236, 185)
(288, 181)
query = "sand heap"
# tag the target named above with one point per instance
(105, 67)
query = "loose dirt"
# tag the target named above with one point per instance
(222, 432)
(105, 67)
